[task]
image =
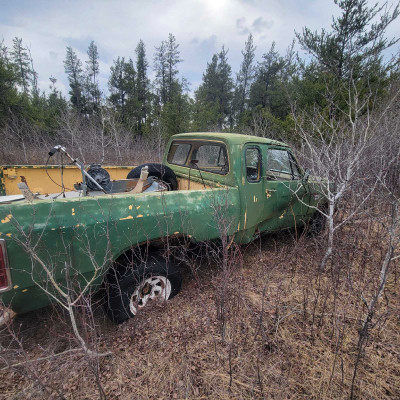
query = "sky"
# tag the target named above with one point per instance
(201, 28)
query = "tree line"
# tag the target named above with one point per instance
(260, 98)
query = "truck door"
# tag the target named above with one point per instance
(285, 193)
(253, 187)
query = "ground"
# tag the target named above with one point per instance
(268, 325)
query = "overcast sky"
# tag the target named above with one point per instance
(201, 27)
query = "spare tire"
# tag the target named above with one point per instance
(159, 171)
(100, 175)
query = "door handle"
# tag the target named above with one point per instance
(269, 192)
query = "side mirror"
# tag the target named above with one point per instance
(306, 176)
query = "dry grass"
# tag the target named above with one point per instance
(287, 332)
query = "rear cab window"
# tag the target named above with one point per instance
(206, 155)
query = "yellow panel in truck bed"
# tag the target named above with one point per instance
(39, 181)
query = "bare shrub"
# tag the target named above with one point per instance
(97, 139)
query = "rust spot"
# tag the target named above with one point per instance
(6, 219)
(8, 234)
(130, 206)
(137, 208)
(15, 287)
(25, 290)
(140, 216)
(128, 217)
(73, 211)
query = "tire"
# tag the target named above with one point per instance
(159, 171)
(316, 225)
(100, 175)
(131, 287)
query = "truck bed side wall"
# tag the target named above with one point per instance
(73, 235)
(38, 181)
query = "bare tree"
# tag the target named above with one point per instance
(338, 154)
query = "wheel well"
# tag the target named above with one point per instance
(130, 257)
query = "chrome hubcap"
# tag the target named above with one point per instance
(153, 288)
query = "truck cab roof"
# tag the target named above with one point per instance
(232, 138)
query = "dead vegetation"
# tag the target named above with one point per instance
(263, 321)
(288, 330)
(97, 140)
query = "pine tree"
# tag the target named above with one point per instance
(3, 52)
(171, 104)
(225, 87)
(206, 109)
(166, 59)
(172, 60)
(92, 72)
(9, 80)
(160, 68)
(176, 114)
(21, 59)
(213, 107)
(267, 82)
(34, 76)
(122, 86)
(244, 79)
(55, 106)
(349, 56)
(142, 87)
(355, 40)
(73, 68)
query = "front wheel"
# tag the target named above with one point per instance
(317, 224)
(133, 287)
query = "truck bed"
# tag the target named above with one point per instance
(82, 231)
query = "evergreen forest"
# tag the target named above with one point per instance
(265, 97)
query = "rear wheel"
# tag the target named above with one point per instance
(132, 287)
(156, 287)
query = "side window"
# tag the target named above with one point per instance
(295, 168)
(279, 165)
(253, 164)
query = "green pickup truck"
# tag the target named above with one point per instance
(218, 184)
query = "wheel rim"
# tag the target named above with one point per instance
(153, 288)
